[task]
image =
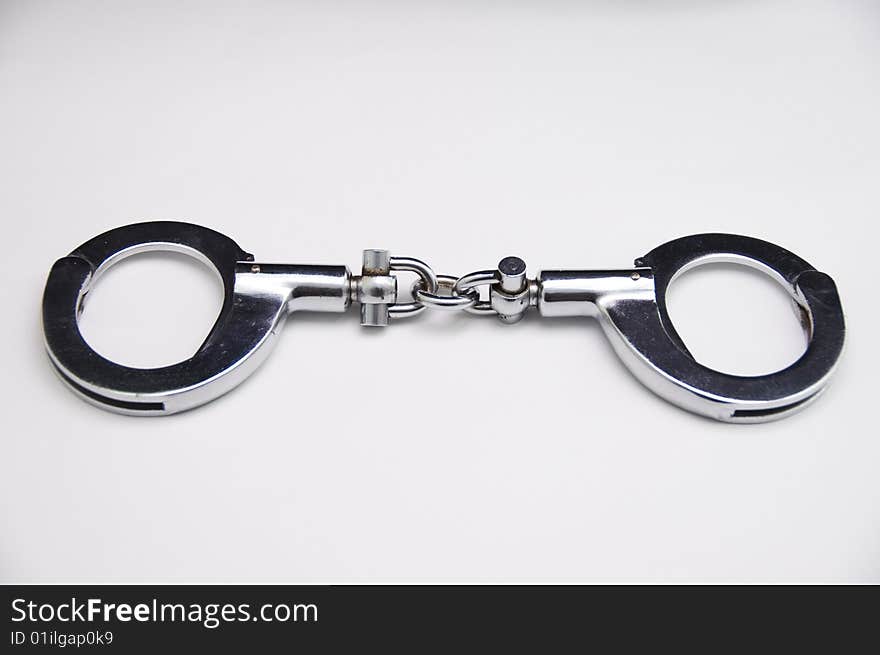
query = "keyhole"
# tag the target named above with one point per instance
(152, 309)
(736, 319)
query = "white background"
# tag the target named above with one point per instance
(447, 448)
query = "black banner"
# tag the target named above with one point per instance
(134, 619)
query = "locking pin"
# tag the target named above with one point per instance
(375, 289)
(510, 297)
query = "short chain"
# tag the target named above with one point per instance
(456, 293)
(510, 292)
(445, 299)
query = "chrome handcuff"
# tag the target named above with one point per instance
(629, 303)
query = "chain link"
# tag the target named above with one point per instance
(472, 282)
(450, 294)
(427, 278)
(449, 301)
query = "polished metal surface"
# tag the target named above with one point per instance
(631, 307)
(629, 303)
(512, 274)
(375, 289)
(428, 280)
(510, 298)
(256, 300)
(450, 301)
(474, 281)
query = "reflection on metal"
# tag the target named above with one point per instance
(630, 304)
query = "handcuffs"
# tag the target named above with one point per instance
(629, 303)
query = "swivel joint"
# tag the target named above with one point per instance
(510, 298)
